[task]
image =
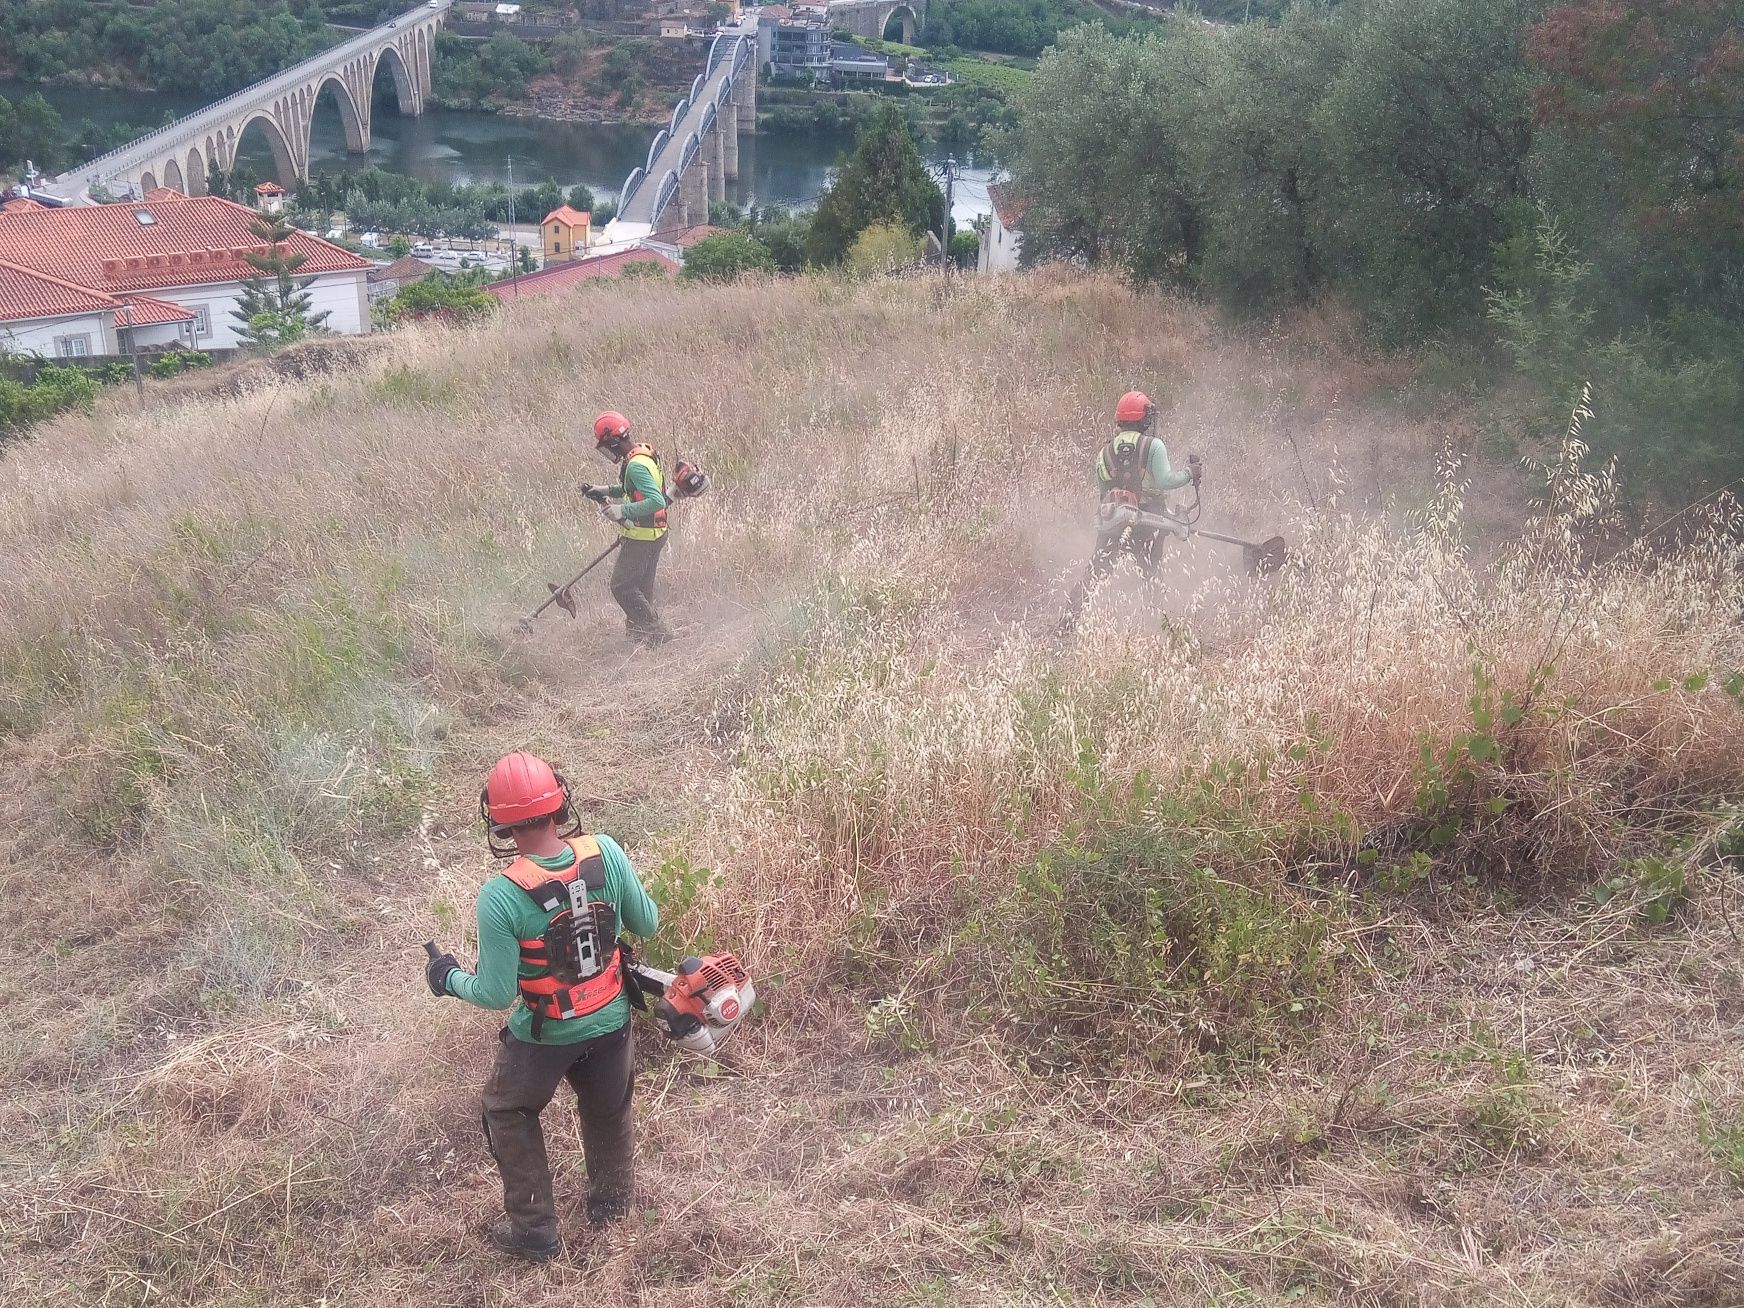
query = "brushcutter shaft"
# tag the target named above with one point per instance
(558, 591)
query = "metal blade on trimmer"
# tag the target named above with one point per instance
(1267, 557)
(565, 600)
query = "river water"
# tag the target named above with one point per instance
(783, 168)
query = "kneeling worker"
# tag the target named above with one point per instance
(638, 505)
(548, 931)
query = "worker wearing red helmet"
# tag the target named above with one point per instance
(1132, 467)
(638, 505)
(548, 928)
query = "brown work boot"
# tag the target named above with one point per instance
(520, 1245)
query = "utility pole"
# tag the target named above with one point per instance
(945, 230)
(133, 350)
(514, 243)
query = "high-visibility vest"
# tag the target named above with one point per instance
(647, 528)
(575, 965)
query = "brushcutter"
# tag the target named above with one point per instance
(698, 1007)
(1119, 510)
(688, 481)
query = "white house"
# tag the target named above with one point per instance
(174, 264)
(1002, 240)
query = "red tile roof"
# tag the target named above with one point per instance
(190, 241)
(158, 194)
(569, 217)
(685, 237)
(148, 311)
(20, 202)
(1006, 205)
(564, 276)
(26, 293)
(406, 269)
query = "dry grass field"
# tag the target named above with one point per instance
(1367, 935)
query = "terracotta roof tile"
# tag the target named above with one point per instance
(564, 276)
(26, 293)
(148, 311)
(685, 237)
(564, 214)
(158, 194)
(1006, 205)
(407, 269)
(190, 241)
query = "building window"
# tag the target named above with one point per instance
(73, 347)
(202, 321)
(556, 246)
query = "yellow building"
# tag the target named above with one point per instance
(566, 234)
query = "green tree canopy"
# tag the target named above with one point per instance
(724, 256)
(883, 180)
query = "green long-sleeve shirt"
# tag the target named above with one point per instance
(507, 915)
(638, 476)
(1159, 474)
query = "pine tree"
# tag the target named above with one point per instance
(274, 308)
(883, 181)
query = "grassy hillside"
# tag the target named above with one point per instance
(1357, 937)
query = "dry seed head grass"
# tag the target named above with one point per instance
(250, 636)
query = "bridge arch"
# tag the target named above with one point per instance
(283, 160)
(351, 119)
(405, 85)
(906, 20)
(172, 177)
(195, 173)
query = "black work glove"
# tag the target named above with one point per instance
(595, 493)
(1196, 465)
(436, 973)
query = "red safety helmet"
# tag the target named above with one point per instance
(1134, 406)
(610, 428)
(522, 787)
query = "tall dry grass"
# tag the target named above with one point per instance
(1245, 946)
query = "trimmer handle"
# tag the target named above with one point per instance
(430, 950)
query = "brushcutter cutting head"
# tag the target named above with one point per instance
(1267, 557)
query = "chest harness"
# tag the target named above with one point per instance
(575, 965)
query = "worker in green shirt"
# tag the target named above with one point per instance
(548, 933)
(1132, 468)
(638, 505)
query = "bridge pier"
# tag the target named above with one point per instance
(717, 165)
(693, 193)
(728, 126)
(745, 101)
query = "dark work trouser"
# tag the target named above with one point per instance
(633, 587)
(602, 1073)
(1145, 544)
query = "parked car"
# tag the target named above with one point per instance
(423, 248)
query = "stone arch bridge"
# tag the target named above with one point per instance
(869, 18)
(181, 153)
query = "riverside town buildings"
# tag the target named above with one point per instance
(150, 274)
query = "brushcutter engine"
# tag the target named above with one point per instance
(699, 1006)
(688, 481)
